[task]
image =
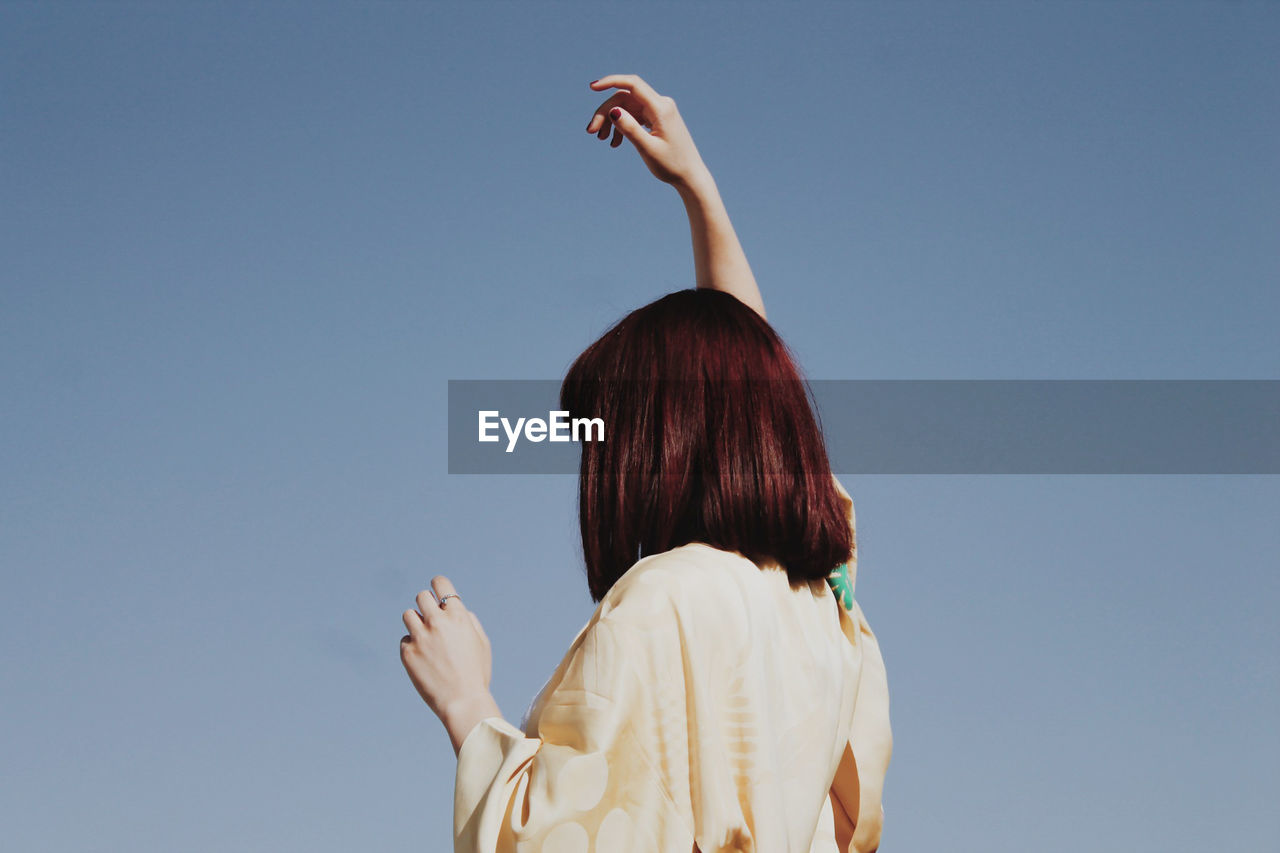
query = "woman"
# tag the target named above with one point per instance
(727, 693)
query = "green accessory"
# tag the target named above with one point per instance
(842, 585)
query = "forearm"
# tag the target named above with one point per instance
(718, 259)
(462, 716)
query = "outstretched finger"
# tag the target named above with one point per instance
(643, 92)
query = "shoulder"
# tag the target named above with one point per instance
(689, 598)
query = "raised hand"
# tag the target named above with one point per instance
(655, 128)
(653, 125)
(446, 652)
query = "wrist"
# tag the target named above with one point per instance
(462, 714)
(467, 706)
(697, 187)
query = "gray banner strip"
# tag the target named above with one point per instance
(917, 426)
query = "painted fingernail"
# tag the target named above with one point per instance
(593, 82)
(615, 112)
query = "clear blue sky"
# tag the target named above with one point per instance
(244, 248)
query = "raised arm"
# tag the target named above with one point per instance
(654, 126)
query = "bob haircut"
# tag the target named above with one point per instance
(709, 437)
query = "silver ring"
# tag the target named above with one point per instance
(448, 596)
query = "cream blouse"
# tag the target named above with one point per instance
(707, 702)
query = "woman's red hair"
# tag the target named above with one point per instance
(709, 437)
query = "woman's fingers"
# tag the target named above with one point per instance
(642, 91)
(426, 606)
(412, 621)
(638, 97)
(442, 586)
(600, 123)
(600, 118)
(625, 124)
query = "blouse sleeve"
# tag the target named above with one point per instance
(859, 781)
(580, 778)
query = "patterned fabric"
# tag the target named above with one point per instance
(706, 701)
(842, 585)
